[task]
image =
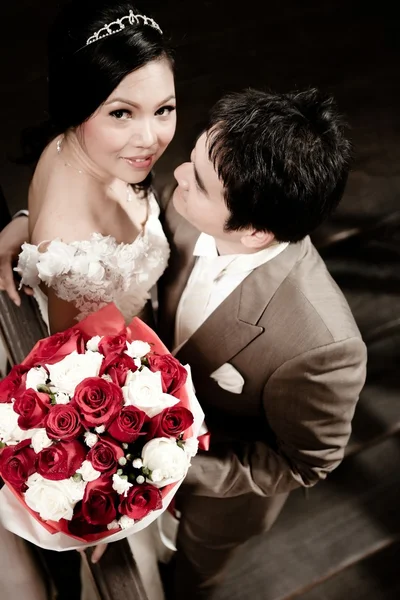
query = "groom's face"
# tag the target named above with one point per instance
(199, 195)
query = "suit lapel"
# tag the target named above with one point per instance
(233, 325)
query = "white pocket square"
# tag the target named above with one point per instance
(228, 378)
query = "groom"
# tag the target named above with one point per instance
(277, 360)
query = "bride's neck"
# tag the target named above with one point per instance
(74, 155)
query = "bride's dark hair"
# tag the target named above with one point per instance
(81, 77)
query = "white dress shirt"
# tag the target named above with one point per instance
(211, 281)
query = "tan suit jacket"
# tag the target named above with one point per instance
(290, 333)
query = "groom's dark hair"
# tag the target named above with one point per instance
(283, 160)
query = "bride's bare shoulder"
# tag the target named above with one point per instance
(59, 200)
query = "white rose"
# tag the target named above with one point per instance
(126, 522)
(56, 261)
(87, 471)
(36, 376)
(71, 370)
(166, 460)
(53, 500)
(191, 446)
(40, 440)
(10, 433)
(137, 349)
(90, 439)
(121, 486)
(62, 398)
(93, 343)
(143, 389)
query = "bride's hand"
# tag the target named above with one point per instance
(98, 552)
(11, 239)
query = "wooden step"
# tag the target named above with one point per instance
(374, 578)
(377, 414)
(345, 519)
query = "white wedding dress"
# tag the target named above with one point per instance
(91, 274)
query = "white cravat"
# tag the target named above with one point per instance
(211, 281)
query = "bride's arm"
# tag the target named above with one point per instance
(62, 288)
(62, 314)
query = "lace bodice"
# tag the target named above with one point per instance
(97, 271)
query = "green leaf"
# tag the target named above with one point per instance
(44, 389)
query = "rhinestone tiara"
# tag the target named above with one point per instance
(119, 25)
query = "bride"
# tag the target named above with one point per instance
(94, 232)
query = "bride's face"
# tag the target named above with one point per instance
(131, 130)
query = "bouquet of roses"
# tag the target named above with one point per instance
(97, 429)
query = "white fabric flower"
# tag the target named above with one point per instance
(166, 460)
(40, 440)
(90, 266)
(125, 522)
(71, 370)
(191, 446)
(27, 265)
(53, 500)
(90, 439)
(10, 432)
(121, 486)
(143, 389)
(113, 525)
(93, 343)
(36, 376)
(137, 349)
(62, 398)
(87, 471)
(55, 261)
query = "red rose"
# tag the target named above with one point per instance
(17, 463)
(56, 347)
(105, 454)
(117, 366)
(10, 385)
(63, 422)
(140, 500)
(99, 502)
(80, 527)
(173, 374)
(98, 401)
(61, 460)
(128, 424)
(32, 408)
(171, 422)
(112, 343)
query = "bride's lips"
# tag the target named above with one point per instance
(139, 162)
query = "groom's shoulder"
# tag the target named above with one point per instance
(311, 289)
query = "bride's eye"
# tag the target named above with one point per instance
(121, 114)
(164, 111)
